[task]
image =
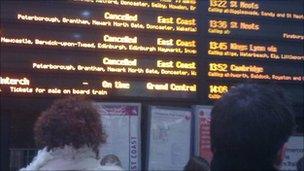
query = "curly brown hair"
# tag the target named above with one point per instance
(70, 121)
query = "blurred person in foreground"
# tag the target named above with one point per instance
(249, 128)
(197, 164)
(70, 133)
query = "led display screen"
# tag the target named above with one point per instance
(168, 49)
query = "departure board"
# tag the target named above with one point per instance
(252, 41)
(102, 48)
(186, 50)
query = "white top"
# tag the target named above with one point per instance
(67, 158)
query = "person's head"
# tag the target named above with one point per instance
(111, 160)
(197, 164)
(249, 128)
(70, 121)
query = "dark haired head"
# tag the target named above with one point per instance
(249, 126)
(71, 121)
(197, 164)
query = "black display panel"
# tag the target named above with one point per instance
(104, 49)
(190, 43)
(252, 41)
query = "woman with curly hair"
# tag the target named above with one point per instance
(70, 133)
